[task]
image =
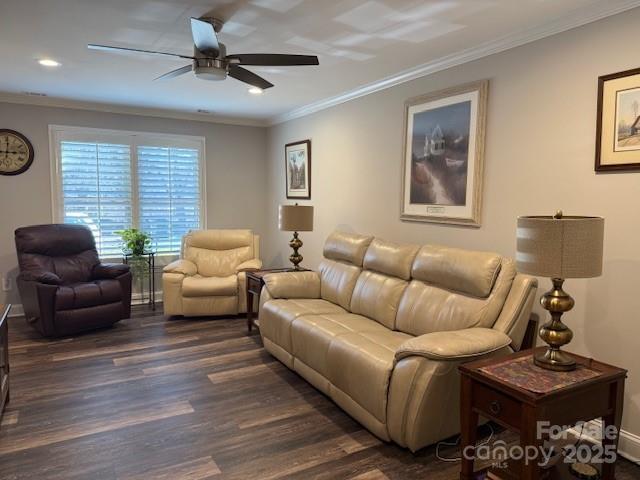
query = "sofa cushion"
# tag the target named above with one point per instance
(218, 252)
(276, 317)
(360, 365)
(426, 308)
(346, 247)
(337, 280)
(377, 296)
(311, 335)
(90, 294)
(464, 271)
(390, 258)
(199, 286)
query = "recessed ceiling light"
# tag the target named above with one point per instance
(47, 62)
(255, 91)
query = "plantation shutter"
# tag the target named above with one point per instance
(96, 190)
(169, 194)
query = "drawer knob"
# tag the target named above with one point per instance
(495, 408)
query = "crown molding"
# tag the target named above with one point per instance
(583, 16)
(47, 101)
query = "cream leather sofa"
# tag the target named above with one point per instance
(382, 328)
(210, 277)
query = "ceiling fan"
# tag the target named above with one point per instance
(211, 62)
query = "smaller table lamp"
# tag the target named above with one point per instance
(559, 247)
(295, 218)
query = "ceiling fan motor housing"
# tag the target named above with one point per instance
(211, 69)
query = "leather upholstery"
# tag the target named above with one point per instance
(386, 336)
(210, 278)
(347, 247)
(63, 287)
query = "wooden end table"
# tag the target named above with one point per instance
(4, 357)
(521, 410)
(255, 282)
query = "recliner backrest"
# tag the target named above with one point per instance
(387, 269)
(218, 253)
(69, 251)
(341, 266)
(453, 289)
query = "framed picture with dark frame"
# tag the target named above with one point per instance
(618, 125)
(297, 157)
(443, 156)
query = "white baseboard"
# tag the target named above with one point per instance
(628, 445)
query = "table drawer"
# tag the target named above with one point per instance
(494, 405)
(254, 285)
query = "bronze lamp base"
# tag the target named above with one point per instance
(555, 333)
(295, 257)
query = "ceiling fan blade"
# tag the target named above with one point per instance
(273, 59)
(107, 48)
(246, 76)
(204, 37)
(175, 73)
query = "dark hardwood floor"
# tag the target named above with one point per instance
(154, 398)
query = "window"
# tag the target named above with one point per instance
(110, 181)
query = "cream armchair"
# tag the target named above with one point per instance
(210, 278)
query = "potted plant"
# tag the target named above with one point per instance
(134, 241)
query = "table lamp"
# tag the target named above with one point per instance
(559, 247)
(295, 218)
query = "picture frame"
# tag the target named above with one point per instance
(618, 122)
(443, 156)
(297, 164)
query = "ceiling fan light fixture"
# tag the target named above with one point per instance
(255, 91)
(48, 62)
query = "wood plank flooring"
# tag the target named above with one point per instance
(173, 399)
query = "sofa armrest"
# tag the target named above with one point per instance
(107, 271)
(293, 284)
(454, 345)
(253, 264)
(516, 312)
(40, 276)
(185, 267)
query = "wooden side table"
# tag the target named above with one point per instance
(255, 282)
(518, 409)
(4, 357)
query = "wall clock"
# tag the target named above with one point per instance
(16, 153)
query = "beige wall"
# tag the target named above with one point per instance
(235, 171)
(539, 158)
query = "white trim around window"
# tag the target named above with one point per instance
(139, 144)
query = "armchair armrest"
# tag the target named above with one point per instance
(182, 266)
(454, 345)
(40, 276)
(253, 264)
(107, 271)
(293, 284)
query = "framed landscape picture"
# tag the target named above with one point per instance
(298, 169)
(443, 156)
(618, 127)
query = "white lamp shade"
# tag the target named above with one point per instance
(566, 247)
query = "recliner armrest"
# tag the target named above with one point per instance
(107, 271)
(185, 267)
(454, 345)
(40, 276)
(253, 264)
(293, 284)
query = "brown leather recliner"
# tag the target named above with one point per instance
(63, 286)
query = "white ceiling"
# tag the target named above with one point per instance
(358, 42)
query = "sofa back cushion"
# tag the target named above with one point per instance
(377, 293)
(217, 253)
(69, 251)
(347, 247)
(453, 289)
(344, 253)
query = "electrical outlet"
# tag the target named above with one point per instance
(6, 284)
